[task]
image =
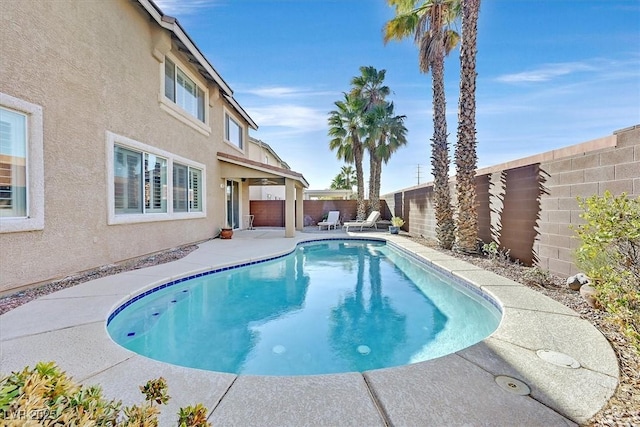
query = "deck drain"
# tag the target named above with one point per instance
(558, 359)
(512, 385)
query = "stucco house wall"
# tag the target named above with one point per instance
(96, 71)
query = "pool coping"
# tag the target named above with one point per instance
(538, 338)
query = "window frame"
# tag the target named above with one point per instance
(114, 218)
(172, 107)
(34, 173)
(241, 130)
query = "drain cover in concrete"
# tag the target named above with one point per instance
(513, 385)
(558, 359)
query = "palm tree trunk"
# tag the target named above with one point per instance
(361, 211)
(440, 153)
(374, 176)
(466, 158)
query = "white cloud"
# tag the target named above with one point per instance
(545, 72)
(283, 92)
(184, 7)
(292, 116)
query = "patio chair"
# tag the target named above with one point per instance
(333, 220)
(369, 222)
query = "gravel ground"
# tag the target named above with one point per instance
(623, 409)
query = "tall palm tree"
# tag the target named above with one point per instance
(429, 22)
(369, 86)
(347, 132)
(465, 153)
(386, 133)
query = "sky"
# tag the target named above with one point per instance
(551, 73)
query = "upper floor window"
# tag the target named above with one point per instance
(182, 90)
(232, 131)
(21, 165)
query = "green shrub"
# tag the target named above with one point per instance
(46, 396)
(493, 252)
(610, 255)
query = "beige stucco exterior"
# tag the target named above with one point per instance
(96, 71)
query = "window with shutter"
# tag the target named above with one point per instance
(183, 91)
(150, 184)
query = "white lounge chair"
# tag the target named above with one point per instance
(369, 222)
(333, 220)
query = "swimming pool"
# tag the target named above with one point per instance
(330, 306)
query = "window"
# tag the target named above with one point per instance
(13, 164)
(233, 131)
(21, 165)
(183, 91)
(187, 196)
(132, 192)
(149, 184)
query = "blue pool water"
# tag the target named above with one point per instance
(330, 306)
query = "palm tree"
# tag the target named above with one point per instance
(345, 180)
(429, 24)
(465, 153)
(368, 85)
(349, 175)
(347, 132)
(386, 133)
(338, 183)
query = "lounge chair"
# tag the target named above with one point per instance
(369, 222)
(333, 220)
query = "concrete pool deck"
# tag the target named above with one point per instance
(541, 346)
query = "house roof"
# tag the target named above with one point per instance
(253, 169)
(195, 56)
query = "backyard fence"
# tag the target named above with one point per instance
(530, 205)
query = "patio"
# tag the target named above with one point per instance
(540, 347)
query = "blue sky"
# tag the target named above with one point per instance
(551, 73)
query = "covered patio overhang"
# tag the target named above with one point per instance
(256, 173)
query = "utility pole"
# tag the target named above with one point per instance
(418, 174)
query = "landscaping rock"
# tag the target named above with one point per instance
(576, 281)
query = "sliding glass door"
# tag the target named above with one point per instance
(233, 204)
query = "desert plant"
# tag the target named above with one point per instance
(493, 252)
(46, 396)
(537, 276)
(610, 255)
(396, 221)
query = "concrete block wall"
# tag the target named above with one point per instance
(530, 205)
(611, 163)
